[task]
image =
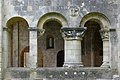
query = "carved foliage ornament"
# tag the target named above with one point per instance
(73, 33)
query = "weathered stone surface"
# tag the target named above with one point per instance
(62, 73)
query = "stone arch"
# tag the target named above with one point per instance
(11, 18)
(104, 24)
(51, 23)
(14, 19)
(97, 17)
(17, 37)
(52, 16)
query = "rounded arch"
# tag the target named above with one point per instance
(52, 16)
(15, 19)
(17, 29)
(97, 17)
(103, 32)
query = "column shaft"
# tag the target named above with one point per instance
(106, 56)
(33, 49)
(5, 48)
(73, 53)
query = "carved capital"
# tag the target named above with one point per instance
(104, 34)
(73, 33)
(6, 29)
(41, 32)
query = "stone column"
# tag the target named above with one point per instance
(73, 37)
(33, 52)
(33, 47)
(106, 56)
(118, 33)
(5, 47)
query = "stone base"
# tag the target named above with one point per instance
(105, 65)
(73, 65)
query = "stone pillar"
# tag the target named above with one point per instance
(118, 33)
(33, 47)
(33, 52)
(106, 56)
(73, 37)
(5, 47)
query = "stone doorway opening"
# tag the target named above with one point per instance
(60, 58)
(92, 45)
(24, 57)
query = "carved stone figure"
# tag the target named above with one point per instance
(74, 10)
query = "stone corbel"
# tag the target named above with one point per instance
(104, 34)
(73, 33)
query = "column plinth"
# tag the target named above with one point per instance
(72, 38)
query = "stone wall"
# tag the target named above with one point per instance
(60, 74)
(73, 11)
